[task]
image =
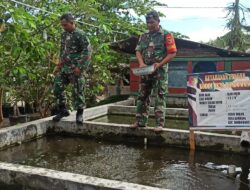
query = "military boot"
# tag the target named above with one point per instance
(136, 125)
(63, 112)
(158, 129)
(79, 116)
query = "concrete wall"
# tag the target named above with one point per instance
(23, 132)
(176, 101)
(44, 179)
(130, 110)
(112, 90)
(168, 137)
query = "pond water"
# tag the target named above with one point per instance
(171, 168)
(13, 187)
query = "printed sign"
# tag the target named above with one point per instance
(219, 100)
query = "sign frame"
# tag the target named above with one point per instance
(216, 83)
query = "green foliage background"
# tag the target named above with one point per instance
(30, 43)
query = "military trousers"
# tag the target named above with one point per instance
(78, 82)
(152, 85)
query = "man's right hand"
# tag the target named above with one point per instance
(77, 71)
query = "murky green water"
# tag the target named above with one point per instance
(171, 168)
(13, 187)
(170, 123)
(9, 187)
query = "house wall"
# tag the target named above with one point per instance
(134, 80)
(240, 65)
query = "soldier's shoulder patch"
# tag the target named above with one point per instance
(170, 43)
(170, 38)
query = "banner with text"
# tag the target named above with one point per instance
(219, 100)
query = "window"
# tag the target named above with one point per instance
(177, 74)
(204, 66)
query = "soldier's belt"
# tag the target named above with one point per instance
(143, 70)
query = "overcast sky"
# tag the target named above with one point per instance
(200, 24)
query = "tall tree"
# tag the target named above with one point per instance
(235, 39)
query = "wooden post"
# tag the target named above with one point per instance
(191, 140)
(191, 157)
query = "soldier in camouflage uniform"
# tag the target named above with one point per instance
(74, 59)
(156, 47)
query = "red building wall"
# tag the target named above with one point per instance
(240, 65)
(220, 66)
(134, 80)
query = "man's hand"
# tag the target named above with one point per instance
(157, 66)
(56, 70)
(142, 65)
(77, 71)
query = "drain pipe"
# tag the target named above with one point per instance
(245, 139)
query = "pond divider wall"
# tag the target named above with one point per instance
(44, 179)
(120, 132)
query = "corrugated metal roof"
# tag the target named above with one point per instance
(186, 48)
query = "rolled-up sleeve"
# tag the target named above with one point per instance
(139, 47)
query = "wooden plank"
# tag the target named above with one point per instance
(191, 157)
(191, 140)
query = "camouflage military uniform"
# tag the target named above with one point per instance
(75, 52)
(154, 48)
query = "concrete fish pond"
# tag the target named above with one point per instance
(105, 153)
